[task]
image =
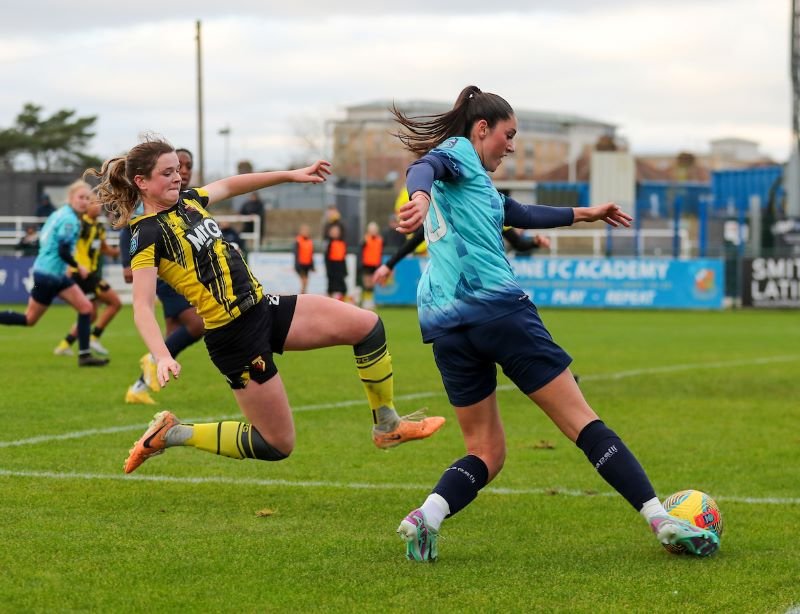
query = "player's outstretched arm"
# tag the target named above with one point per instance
(250, 182)
(144, 315)
(610, 213)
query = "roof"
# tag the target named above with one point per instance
(378, 108)
(644, 172)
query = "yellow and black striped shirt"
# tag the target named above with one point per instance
(186, 246)
(90, 239)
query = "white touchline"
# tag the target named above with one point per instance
(404, 397)
(550, 492)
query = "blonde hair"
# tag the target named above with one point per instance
(75, 186)
(117, 190)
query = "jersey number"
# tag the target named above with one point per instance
(434, 224)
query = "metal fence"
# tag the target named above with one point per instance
(14, 227)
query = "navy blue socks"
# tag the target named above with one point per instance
(178, 340)
(12, 318)
(615, 463)
(460, 483)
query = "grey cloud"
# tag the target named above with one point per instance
(49, 17)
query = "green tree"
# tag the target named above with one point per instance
(12, 142)
(57, 142)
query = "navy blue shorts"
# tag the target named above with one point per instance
(48, 287)
(174, 304)
(518, 342)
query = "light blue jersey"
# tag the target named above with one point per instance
(468, 280)
(62, 227)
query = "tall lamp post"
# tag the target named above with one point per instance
(200, 166)
(362, 173)
(226, 134)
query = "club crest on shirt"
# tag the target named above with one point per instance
(190, 205)
(134, 242)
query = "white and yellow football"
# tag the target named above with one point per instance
(696, 507)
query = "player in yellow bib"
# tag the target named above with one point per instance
(89, 251)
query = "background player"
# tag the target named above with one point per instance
(89, 251)
(50, 280)
(515, 239)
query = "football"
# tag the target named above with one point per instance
(696, 507)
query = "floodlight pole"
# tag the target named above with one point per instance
(791, 181)
(200, 152)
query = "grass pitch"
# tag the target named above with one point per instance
(705, 400)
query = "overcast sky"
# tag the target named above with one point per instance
(671, 75)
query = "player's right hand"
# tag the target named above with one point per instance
(165, 366)
(411, 215)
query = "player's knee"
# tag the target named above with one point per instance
(268, 445)
(495, 462)
(493, 456)
(281, 447)
(375, 338)
(193, 324)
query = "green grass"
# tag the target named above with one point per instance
(705, 400)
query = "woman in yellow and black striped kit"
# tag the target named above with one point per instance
(174, 237)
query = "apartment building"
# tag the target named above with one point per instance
(365, 150)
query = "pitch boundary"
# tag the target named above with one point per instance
(550, 492)
(405, 397)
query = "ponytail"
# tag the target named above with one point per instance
(423, 133)
(117, 190)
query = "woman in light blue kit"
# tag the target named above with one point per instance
(476, 315)
(50, 280)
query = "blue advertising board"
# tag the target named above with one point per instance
(639, 283)
(16, 278)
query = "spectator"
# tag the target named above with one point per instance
(45, 207)
(253, 206)
(303, 256)
(232, 237)
(371, 257)
(29, 244)
(336, 264)
(332, 218)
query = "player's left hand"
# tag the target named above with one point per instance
(610, 213)
(316, 173)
